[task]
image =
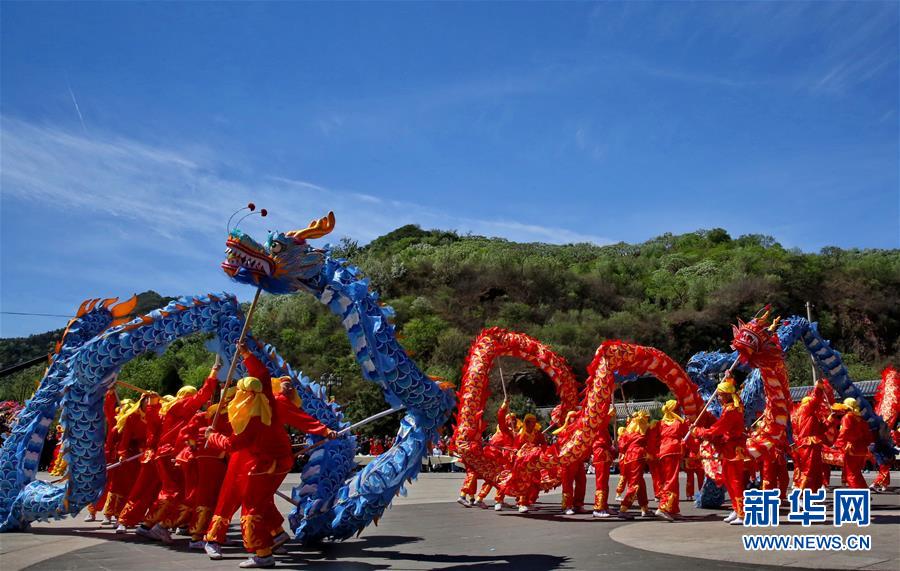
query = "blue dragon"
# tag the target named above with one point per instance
(330, 502)
(286, 264)
(705, 367)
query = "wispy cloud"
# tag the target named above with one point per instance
(175, 196)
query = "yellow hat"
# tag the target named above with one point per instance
(530, 416)
(838, 407)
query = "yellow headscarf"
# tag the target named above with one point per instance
(727, 387)
(127, 410)
(669, 414)
(852, 404)
(639, 422)
(183, 392)
(276, 388)
(249, 402)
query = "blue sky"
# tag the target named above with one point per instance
(131, 131)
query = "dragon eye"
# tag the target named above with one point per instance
(276, 247)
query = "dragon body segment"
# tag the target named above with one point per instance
(491, 462)
(83, 370)
(286, 264)
(614, 361)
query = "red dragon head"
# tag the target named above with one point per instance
(756, 342)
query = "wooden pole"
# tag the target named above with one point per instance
(502, 382)
(132, 387)
(709, 400)
(234, 359)
(811, 358)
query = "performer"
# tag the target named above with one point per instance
(504, 437)
(574, 478)
(59, 465)
(774, 472)
(633, 463)
(728, 438)
(693, 466)
(809, 428)
(602, 455)
(141, 424)
(170, 509)
(883, 480)
(854, 439)
(257, 428)
(529, 435)
(672, 429)
(122, 476)
(204, 471)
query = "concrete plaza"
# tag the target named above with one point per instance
(429, 530)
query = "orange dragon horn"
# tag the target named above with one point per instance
(316, 228)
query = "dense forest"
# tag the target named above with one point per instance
(678, 293)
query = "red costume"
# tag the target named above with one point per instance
(257, 420)
(529, 437)
(672, 429)
(633, 461)
(142, 424)
(809, 428)
(602, 456)
(574, 478)
(171, 509)
(693, 466)
(728, 438)
(204, 469)
(854, 439)
(502, 438)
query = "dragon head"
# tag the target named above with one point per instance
(756, 341)
(284, 264)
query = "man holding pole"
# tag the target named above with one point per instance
(258, 429)
(728, 437)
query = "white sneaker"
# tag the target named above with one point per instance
(570, 511)
(198, 545)
(498, 507)
(689, 498)
(90, 517)
(463, 502)
(183, 531)
(658, 512)
(107, 522)
(258, 562)
(161, 533)
(602, 514)
(121, 529)
(480, 504)
(737, 521)
(523, 509)
(665, 515)
(645, 513)
(213, 550)
(618, 497)
(731, 517)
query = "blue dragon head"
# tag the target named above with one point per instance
(284, 264)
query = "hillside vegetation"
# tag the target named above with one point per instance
(678, 293)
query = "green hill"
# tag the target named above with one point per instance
(678, 293)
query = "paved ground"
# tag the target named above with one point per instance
(426, 531)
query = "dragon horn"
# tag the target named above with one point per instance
(316, 228)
